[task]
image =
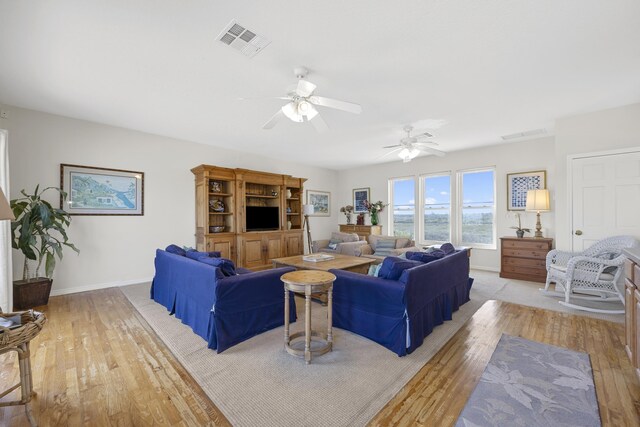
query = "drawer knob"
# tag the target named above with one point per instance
(578, 232)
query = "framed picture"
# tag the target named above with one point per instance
(519, 183)
(321, 201)
(101, 191)
(359, 196)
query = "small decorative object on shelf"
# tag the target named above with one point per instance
(360, 219)
(347, 211)
(216, 186)
(216, 229)
(274, 193)
(216, 205)
(289, 225)
(374, 209)
(289, 194)
(288, 209)
(519, 230)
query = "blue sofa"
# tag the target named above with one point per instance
(223, 310)
(398, 314)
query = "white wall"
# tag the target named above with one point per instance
(120, 249)
(506, 158)
(610, 129)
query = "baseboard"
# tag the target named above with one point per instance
(491, 269)
(66, 291)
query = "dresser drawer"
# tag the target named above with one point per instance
(525, 262)
(525, 253)
(529, 271)
(525, 244)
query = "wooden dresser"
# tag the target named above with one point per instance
(524, 259)
(361, 230)
(632, 307)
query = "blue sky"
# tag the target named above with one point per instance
(478, 187)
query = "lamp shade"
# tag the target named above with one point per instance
(538, 200)
(307, 209)
(5, 209)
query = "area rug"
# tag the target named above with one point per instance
(257, 383)
(528, 383)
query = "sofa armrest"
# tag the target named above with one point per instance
(316, 245)
(350, 248)
(244, 291)
(368, 292)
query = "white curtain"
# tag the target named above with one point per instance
(6, 275)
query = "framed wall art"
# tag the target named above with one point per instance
(321, 201)
(519, 183)
(101, 191)
(359, 196)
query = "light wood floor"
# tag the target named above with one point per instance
(104, 366)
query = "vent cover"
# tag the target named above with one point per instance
(244, 41)
(527, 134)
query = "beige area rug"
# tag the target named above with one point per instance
(256, 383)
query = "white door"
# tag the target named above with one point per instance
(605, 197)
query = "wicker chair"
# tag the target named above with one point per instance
(592, 275)
(17, 340)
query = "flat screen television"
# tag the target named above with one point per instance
(260, 218)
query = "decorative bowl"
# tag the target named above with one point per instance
(217, 229)
(216, 205)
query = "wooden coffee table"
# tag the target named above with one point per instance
(340, 262)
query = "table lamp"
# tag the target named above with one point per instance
(5, 209)
(538, 201)
(308, 210)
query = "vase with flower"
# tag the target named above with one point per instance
(519, 230)
(374, 209)
(347, 211)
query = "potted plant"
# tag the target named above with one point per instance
(374, 209)
(519, 230)
(39, 232)
(347, 211)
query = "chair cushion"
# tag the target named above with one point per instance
(402, 242)
(226, 266)
(392, 267)
(344, 237)
(562, 270)
(175, 249)
(424, 257)
(385, 247)
(193, 254)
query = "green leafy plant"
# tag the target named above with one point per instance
(39, 230)
(519, 227)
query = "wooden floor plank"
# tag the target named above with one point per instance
(97, 362)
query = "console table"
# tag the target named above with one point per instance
(524, 258)
(363, 231)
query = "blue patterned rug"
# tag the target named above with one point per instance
(528, 383)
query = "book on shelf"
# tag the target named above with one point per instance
(318, 257)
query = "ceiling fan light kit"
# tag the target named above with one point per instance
(411, 146)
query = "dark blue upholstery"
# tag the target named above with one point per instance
(398, 314)
(223, 310)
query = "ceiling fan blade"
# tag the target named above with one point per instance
(335, 103)
(305, 88)
(390, 152)
(426, 142)
(274, 120)
(319, 124)
(432, 151)
(392, 146)
(424, 135)
(269, 97)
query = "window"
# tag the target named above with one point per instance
(402, 193)
(436, 191)
(477, 208)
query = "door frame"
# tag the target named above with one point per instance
(570, 159)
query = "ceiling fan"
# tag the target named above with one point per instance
(411, 146)
(302, 102)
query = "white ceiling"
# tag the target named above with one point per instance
(488, 68)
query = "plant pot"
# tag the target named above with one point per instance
(374, 218)
(31, 293)
(520, 234)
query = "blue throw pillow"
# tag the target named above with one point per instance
(333, 244)
(447, 248)
(225, 265)
(175, 249)
(424, 257)
(392, 267)
(193, 254)
(385, 247)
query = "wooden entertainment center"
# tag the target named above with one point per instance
(249, 216)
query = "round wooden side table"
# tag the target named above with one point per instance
(308, 282)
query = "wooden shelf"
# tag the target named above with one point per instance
(257, 196)
(221, 194)
(220, 213)
(293, 198)
(292, 213)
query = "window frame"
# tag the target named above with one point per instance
(421, 214)
(391, 206)
(460, 207)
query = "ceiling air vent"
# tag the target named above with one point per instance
(527, 134)
(244, 41)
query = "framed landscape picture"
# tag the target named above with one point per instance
(100, 191)
(321, 201)
(519, 183)
(359, 196)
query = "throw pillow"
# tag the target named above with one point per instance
(447, 248)
(423, 257)
(333, 244)
(193, 254)
(392, 267)
(175, 249)
(374, 270)
(385, 247)
(225, 265)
